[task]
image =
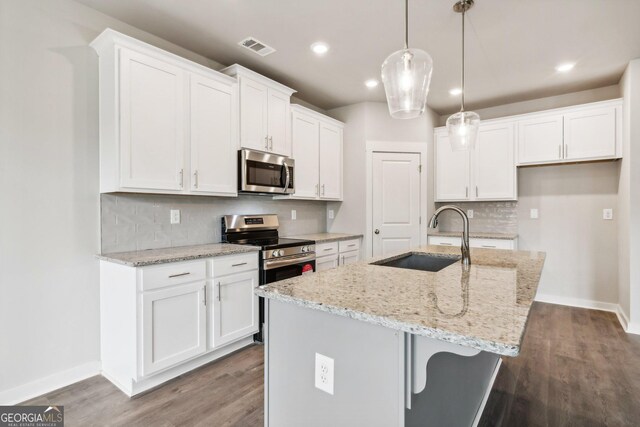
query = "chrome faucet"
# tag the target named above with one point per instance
(466, 260)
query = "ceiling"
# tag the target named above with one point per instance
(512, 46)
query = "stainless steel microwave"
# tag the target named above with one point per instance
(260, 172)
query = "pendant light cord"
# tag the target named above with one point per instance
(464, 9)
(406, 24)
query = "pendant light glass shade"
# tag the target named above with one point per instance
(463, 130)
(406, 75)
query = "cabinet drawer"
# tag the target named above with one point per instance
(324, 249)
(491, 243)
(234, 264)
(445, 241)
(159, 276)
(349, 245)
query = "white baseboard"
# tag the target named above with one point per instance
(45, 385)
(593, 305)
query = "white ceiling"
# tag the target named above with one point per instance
(512, 46)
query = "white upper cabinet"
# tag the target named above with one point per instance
(590, 134)
(494, 163)
(212, 121)
(330, 161)
(152, 111)
(581, 133)
(452, 170)
(264, 112)
(540, 139)
(167, 125)
(317, 144)
(306, 143)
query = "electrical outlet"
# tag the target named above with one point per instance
(324, 373)
(175, 216)
(331, 214)
(293, 214)
(607, 214)
(469, 213)
(534, 214)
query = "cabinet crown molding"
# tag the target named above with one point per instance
(236, 70)
(323, 117)
(110, 38)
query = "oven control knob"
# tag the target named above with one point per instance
(275, 253)
(304, 249)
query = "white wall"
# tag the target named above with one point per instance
(629, 200)
(371, 121)
(49, 221)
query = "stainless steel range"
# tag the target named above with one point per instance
(280, 258)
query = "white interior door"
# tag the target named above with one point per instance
(396, 202)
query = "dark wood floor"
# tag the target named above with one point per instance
(577, 368)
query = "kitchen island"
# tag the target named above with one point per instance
(404, 347)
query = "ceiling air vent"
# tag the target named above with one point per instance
(256, 46)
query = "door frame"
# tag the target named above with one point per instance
(418, 147)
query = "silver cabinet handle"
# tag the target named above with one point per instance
(466, 192)
(271, 143)
(219, 291)
(317, 190)
(205, 295)
(566, 150)
(327, 249)
(351, 245)
(323, 189)
(238, 265)
(181, 173)
(489, 246)
(559, 151)
(195, 179)
(476, 191)
(446, 244)
(376, 231)
(178, 275)
(266, 142)
(288, 180)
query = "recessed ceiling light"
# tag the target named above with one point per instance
(563, 68)
(371, 83)
(320, 48)
(455, 91)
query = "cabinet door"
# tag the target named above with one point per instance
(235, 311)
(330, 162)
(494, 163)
(305, 136)
(253, 115)
(326, 262)
(590, 134)
(278, 123)
(152, 111)
(540, 140)
(213, 137)
(452, 170)
(350, 257)
(173, 326)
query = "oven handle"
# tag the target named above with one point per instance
(286, 170)
(271, 264)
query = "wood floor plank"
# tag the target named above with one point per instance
(577, 367)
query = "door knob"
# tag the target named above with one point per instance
(377, 231)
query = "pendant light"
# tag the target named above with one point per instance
(406, 75)
(463, 126)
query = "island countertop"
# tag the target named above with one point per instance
(485, 306)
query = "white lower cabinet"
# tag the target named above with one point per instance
(474, 242)
(334, 254)
(173, 326)
(327, 262)
(160, 321)
(350, 257)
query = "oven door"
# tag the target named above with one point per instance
(280, 269)
(265, 173)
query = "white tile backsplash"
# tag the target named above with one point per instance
(488, 217)
(142, 221)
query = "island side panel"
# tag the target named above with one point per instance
(367, 369)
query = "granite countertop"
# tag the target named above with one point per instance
(475, 235)
(327, 237)
(181, 253)
(485, 307)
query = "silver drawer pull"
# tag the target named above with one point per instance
(488, 246)
(446, 244)
(238, 265)
(328, 249)
(178, 275)
(352, 245)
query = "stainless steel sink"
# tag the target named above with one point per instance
(418, 261)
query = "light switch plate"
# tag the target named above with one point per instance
(293, 214)
(331, 214)
(175, 216)
(607, 214)
(534, 214)
(470, 213)
(324, 373)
